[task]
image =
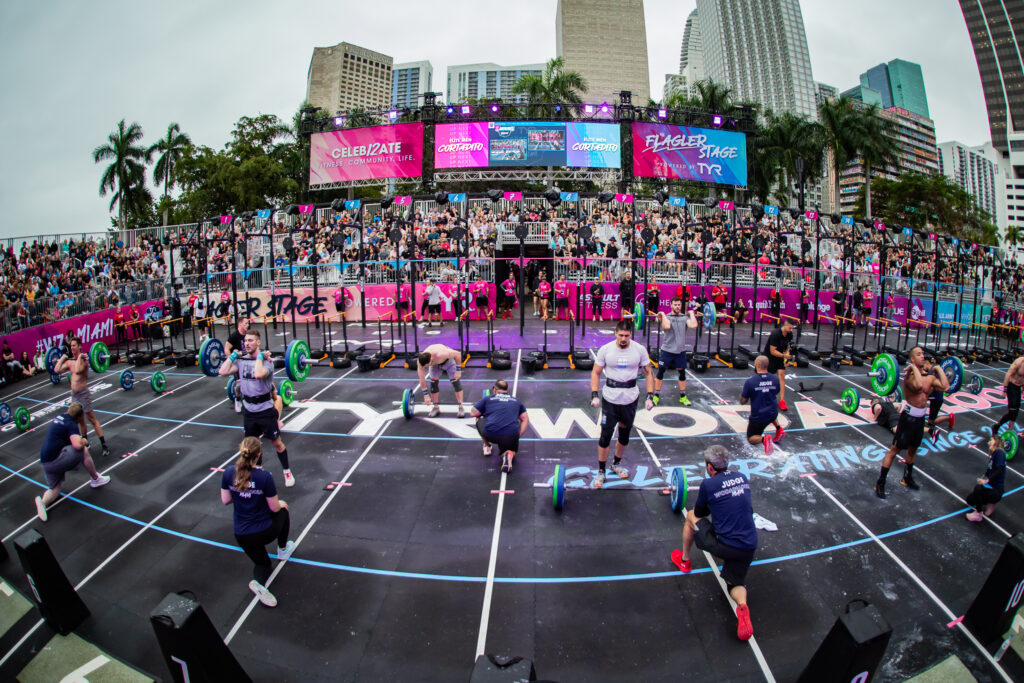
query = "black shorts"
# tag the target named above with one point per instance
(404, 305)
(561, 303)
(481, 301)
(504, 442)
(775, 363)
(756, 428)
(735, 561)
(887, 417)
(434, 308)
(261, 424)
(934, 406)
(983, 495)
(909, 431)
(618, 413)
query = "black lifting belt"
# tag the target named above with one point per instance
(259, 398)
(615, 384)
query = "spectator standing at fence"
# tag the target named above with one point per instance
(597, 299)
(432, 296)
(561, 297)
(479, 292)
(627, 295)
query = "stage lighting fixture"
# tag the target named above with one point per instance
(605, 196)
(441, 197)
(756, 210)
(494, 108)
(660, 196)
(392, 115)
(604, 108)
(554, 197)
(588, 109)
(450, 111)
(291, 210)
(794, 213)
(662, 113)
(339, 120)
(338, 205)
(386, 202)
(466, 109)
(836, 219)
(716, 120)
(558, 107)
(495, 195)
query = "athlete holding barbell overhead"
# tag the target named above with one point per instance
(935, 400)
(256, 384)
(672, 354)
(433, 362)
(620, 361)
(910, 429)
(79, 369)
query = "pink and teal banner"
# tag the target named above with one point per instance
(708, 155)
(91, 327)
(394, 151)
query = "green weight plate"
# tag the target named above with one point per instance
(295, 357)
(127, 380)
(709, 315)
(22, 418)
(5, 413)
(407, 406)
(286, 390)
(487, 392)
(885, 374)
(558, 487)
(850, 400)
(638, 315)
(678, 489)
(158, 382)
(954, 369)
(99, 357)
(1010, 443)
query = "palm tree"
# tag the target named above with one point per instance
(1012, 235)
(787, 137)
(554, 86)
(837, 126)
(170, 148)
(127, 169)
(875, 144)
(714, 97)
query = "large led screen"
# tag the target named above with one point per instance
(485, 144)
(394, 151)
(706, 154)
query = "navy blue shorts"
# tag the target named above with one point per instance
(672, 360)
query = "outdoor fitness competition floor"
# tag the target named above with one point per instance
(415, 553)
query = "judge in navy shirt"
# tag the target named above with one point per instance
(65, 449)
(762, 391)
(260, 517)
(722, 524)
(501, 419)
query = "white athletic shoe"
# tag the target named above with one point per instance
(40, 509)
(286, 552)
(289, 479)
(265, 596)
(99, 481)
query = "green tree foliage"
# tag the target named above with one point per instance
(930, 202)
(125, 177)
(169, 150)
(837, 127)
(555, 85)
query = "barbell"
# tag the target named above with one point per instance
(285, 389)
(20, 416)
(157, 382)
(99, 356)
(677, 488)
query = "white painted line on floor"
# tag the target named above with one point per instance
(909, 572)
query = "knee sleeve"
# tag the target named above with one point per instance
(435, 386)
(607, 428)
(661, 371)
(624, 434)
(682, 374)
(457, 384)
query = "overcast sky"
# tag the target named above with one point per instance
(69, 71)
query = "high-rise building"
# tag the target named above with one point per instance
(900, 84)
(976, 170)
(994, 26)
(913, 139)
(487, 81)
(347, 76)
(606, 42)
(826, 93)
(864, 94)
(758, 49)
(409, 82)
(691, 53)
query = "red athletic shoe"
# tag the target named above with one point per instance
(677, 560)
(768, 445)
(783, 406)
(779, 433)
(744, 629)
(952, 421)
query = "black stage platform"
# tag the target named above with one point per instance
(415, 553)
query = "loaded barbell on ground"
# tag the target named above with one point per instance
(157, 382)
(20, 416)
(677, 489)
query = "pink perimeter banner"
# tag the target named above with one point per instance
(91, 327)
(394, 151)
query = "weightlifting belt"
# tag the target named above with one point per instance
(915, 412)
(259, 398)
(615, 384)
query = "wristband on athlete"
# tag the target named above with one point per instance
(593, 394)
(233, 357)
